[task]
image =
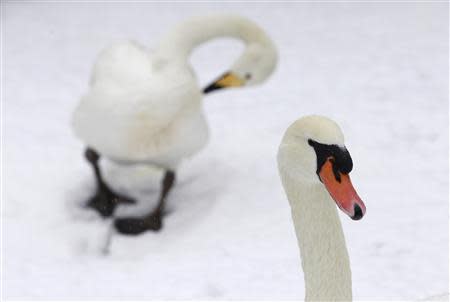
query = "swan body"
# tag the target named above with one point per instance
(134, 113)
(310, 193)
(145, 107)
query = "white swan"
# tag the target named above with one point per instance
(145, 107)
(314, 165)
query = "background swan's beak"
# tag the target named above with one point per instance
(227, 80)
(341, 190)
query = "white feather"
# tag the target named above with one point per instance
(144, 107)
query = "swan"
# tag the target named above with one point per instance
(144, 107)
(314, 167)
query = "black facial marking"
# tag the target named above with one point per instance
(336, 173)
(340, 158)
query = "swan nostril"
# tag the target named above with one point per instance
(358, 212)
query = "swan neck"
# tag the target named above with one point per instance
(321, 241)
(181, 41)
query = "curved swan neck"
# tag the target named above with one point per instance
(321, 241)
(184, 38)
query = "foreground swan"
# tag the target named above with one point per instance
(314, 166)
(145, 107)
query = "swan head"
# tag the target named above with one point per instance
(313, 153)
(253, 67)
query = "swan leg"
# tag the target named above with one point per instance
(105, 200)
(153, 221)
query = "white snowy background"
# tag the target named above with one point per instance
(379, 69)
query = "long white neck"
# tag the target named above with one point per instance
(321, 241)
(180, 42)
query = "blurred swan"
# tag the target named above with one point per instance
(145, 107)
(314, 166)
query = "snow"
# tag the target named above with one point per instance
(379, 69)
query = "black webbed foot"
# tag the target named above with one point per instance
(136, 226)
(105, 202)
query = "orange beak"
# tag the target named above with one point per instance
(341, 190)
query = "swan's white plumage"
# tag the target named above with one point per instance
(319, 232)
(144, 107)
(133, 112)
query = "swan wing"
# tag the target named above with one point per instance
(121, 66)
(133, 111)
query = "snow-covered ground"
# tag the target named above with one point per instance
(379, 69)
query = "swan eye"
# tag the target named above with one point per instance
(248, 76)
